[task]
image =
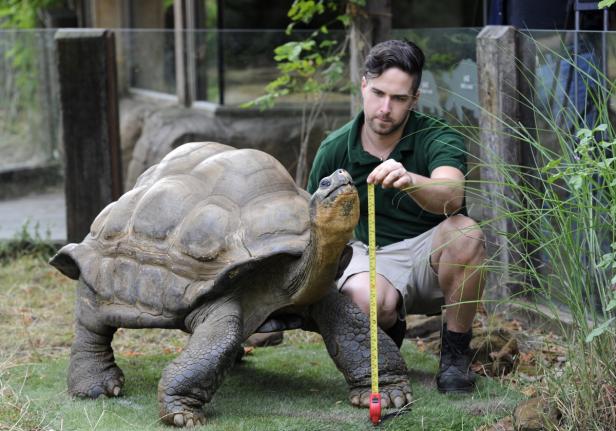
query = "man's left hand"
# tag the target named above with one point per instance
(389, 174)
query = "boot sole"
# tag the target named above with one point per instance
(467, 390)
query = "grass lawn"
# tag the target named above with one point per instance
(294, 386)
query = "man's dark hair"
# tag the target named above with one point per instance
(403, 54)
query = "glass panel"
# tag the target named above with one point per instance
(31, 195)
(243, 62)
(149, 58)
(569, 74)
(249, 63)
(449, 80)
(208, 66)
(28, 95)
(449, 87)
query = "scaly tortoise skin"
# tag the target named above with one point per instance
(214, 240)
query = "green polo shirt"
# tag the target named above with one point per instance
(426, 144)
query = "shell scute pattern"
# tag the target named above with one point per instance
(104, 281)
(124, 275)
(163, 245)
(244, 175)
(272, 226)
(181, 160)
(111, 224)
(146, 298)
(204, 233)
(163, 207)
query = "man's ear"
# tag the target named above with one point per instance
(415, 100)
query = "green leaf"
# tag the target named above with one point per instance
(576, 182)
(601, 127)
(611, 305)
(606, 260)
(553, 178)
(583, 133)
(605, 164)
(324, 29)
(295, 52)
(613, 280)
(606, 3)
(344, 19)
(551, 165)
(599, 330)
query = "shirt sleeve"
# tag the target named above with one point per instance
(446, 147)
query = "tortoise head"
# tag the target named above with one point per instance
(334, 212)
(334, 207)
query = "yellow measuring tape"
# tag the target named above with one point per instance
(375, 398)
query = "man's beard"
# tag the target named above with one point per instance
(392, 128)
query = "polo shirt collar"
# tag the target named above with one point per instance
(357, 153)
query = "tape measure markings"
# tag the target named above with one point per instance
(374, 347)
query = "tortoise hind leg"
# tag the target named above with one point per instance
(192, 378)
(92, 370)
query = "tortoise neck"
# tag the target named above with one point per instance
(315, 272)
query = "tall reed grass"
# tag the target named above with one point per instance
(562, 205)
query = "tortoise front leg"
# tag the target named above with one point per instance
(346, 332)
(192, 378)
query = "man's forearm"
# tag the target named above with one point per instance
(436, 195)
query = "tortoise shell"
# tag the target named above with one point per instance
(204, 214)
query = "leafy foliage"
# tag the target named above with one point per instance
(592, 170)
(21, 55)
(310, 67)
(606, 3)
(23, 14)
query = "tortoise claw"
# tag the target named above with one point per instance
(187, 419)
(392, 395)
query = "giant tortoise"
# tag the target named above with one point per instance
(215, 241)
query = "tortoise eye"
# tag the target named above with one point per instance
(325, 183)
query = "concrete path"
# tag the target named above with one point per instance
(44, 212)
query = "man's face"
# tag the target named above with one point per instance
(387, 100)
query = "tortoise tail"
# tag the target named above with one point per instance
(64, 262)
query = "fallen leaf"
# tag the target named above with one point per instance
(526, 357)
(529, 391)
(479, 368)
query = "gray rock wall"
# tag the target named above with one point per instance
(149, 131)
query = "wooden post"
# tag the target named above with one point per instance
(89, 114)
(499, 99)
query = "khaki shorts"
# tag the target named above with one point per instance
(406, 265)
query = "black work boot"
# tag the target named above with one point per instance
(397, 332)
(454, 375)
